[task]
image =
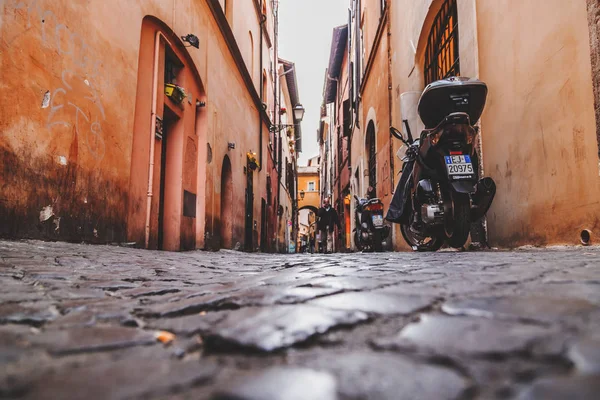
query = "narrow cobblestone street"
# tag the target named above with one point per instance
(80, 321)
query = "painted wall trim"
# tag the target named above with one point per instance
(373, 53)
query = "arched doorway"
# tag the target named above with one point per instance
(307, 229)
(226, 204)
(166, 193)
(371, 152)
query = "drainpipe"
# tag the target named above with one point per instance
(153, 133)
(263, 19)
(390, 93)
(277, 140)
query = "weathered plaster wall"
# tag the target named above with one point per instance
(374, 108)
(594, 25)
(67, 106)
(539, 128)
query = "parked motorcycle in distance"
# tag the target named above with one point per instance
(439, 194)
(370, 231)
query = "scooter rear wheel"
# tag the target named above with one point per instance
(420, 242)
(377, 242)
(458, 220)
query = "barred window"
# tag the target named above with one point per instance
(441, 54)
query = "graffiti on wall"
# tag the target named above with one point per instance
(75, 102)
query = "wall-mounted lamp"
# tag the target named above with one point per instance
(192, 40)
(299, 112)
(302, 194)
(298, 116)
(230, 146)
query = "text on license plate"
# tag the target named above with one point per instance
(459, 165)
(377, 220)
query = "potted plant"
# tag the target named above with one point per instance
(174, 92)
(252, 161)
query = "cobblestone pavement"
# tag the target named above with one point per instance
(95, 322)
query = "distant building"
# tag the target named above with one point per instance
(309, 200)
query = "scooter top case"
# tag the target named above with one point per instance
(447, 96)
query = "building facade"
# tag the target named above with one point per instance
(289, 139)
(338, 115)
(539, 133)
(149, 125)
(309, 199)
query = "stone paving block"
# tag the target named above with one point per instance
(590, 275)
(381, 376)
(379, 303)
(585, 354)
(13, 342)
(68, 293)
(291, 277)
(92, 339)
(149, 291)
(27, 313)
(569, 388)
(189, 325)
(478, 336)
(544, 309)
(270, 295)
(126, 379)
(107, 285)
(349, 283)
(188, 306)
(585, 291)
(272, 328)
(282, 384)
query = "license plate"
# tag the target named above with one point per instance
(459, 165)
(377, 220)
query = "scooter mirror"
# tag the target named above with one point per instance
(397, 134)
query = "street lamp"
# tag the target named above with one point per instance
(302, 194)
(299, 112)
(298, 117)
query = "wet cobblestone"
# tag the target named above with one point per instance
(79, 321)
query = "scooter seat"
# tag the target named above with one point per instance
(459, 118)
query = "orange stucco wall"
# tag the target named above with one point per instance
(311, 198)
(539, 129)
(71, 80)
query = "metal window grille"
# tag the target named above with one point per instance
(441, 54)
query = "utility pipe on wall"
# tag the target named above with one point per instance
(263, 20)
(153, 133)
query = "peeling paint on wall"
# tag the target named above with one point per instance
(46, 213)
(46, 99)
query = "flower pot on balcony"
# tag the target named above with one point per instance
(174, 92)
(252, 161)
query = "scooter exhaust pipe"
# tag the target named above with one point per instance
(482, 200)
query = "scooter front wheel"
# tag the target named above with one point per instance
(421, 242)
(357, 242)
